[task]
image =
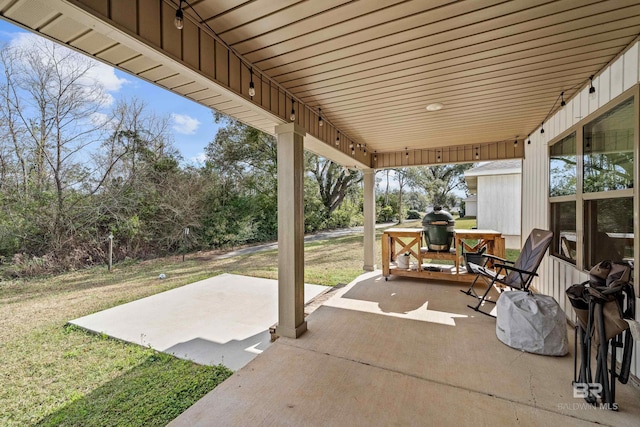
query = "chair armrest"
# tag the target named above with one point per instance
(510, 267)
(497, 258)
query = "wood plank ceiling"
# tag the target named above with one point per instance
(373, 66)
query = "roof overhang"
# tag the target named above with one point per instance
(498, 68)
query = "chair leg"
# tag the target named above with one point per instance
(614, 374)
(602, 371)
(575, 353)
(627, 351)
(585, 373)
(584, 357)
(471, 291)
(482, 299)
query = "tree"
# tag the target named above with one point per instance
(402, 180)
(439, 181)
(147, 198)
(334, 182)
(608, 171)
(563, 175)
(76, 171)
(242, 207)
(416, 200)
(48, 105)
(243, 161)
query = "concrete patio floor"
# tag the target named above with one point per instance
(224, 319)
(402, 352)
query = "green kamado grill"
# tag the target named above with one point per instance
(438, 229)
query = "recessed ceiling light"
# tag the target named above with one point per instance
(434, 107)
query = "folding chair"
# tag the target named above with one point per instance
(602, 304)
(515, 275)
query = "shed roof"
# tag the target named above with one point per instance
(500, 167)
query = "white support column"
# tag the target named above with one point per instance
(291, 321)
(369, 212)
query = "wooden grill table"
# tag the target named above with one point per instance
(491, 239)
(398, 241)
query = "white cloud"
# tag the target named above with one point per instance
(106, 75)
(25, 40)
(200, 159)
(184, 124)
(99, 119)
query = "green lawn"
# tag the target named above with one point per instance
(53, 374)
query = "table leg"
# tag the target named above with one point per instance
(419, 253)
(489, 243)
(392, 248)
(385, 254)
(456, 244)
(499, 247)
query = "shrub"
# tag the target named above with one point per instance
(411, 214)
(347, 215)
(77, 256)
(385, 214)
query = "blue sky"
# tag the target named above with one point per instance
(191, 124)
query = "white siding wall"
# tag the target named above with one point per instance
(555, 275)
(471, 208)
(499, 204)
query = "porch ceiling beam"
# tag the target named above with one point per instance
(467, 153)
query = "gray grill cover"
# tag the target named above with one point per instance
(531, 322)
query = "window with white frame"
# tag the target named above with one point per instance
(563, 220)
(562, 164)
(562, 188)
(608, 150)
(591, 179)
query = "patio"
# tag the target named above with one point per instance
(402, 352)
(378, 85)
(223, 319)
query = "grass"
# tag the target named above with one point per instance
(153, 392)
(53, 374)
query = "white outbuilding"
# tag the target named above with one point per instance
(471, 206)
(498, 188)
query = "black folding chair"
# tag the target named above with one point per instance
(601, 306)
(515, 275)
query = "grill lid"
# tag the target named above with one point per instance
(438, 217)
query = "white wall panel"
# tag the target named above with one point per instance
(499, 203)
(553, 126)
(573, 107)
(562, 117)
(631, 67)
(592, 98)
(555, 276)
(584, 103)
(604, 87)
(616, 78)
